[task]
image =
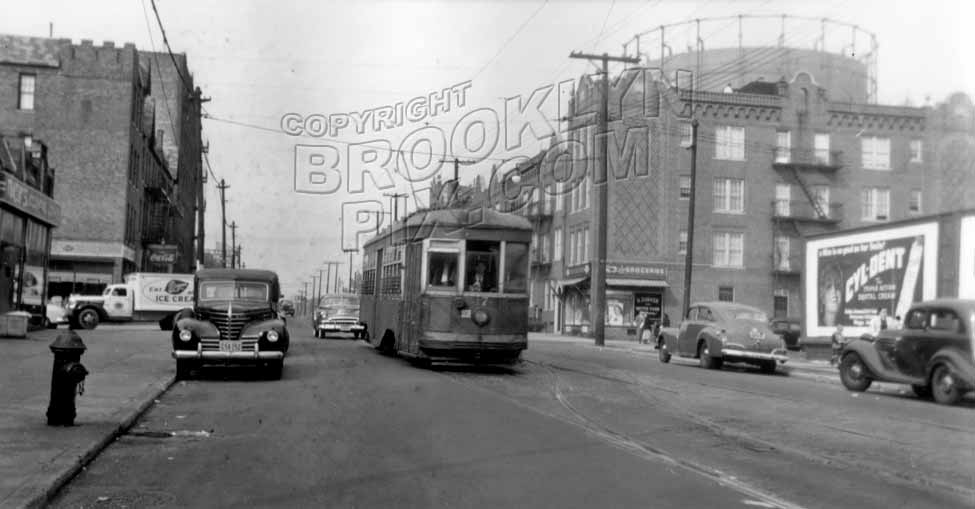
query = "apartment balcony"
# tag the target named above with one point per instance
(807, 159)
(804, 211)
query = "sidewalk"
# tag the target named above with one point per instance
(129, 368)
(797, 366)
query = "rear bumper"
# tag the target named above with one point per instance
(267, 355)
(732, 354)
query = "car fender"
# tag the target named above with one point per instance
(668, 338)
(868, 354)
(959, 362)
(710, 336)
(99, 307)
(259, 328)
(200, 328)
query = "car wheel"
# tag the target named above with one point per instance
(768, 367)
(853, 373)
(707, 362)
(944, 386)
(922, 391)
(88, 319)
(183, 369)
(662, 353)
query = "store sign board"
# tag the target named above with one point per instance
(636, 270)
(29, 200)
(577, 270)
(163, 254)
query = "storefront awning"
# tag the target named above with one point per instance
(641, 283)
(57, 276)
(572, 281)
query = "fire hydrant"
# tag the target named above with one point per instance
(67, 378)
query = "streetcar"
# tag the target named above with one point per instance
(449, 286)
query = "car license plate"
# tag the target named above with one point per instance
(230, 346)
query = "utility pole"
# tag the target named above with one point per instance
(328, 285)
(240, 262)
(598, 297)
(320, 282)
(456, 180)
(350, 251)
(304, 298)
(394, 199)
(689, 256)
(223, 219)
(233, 245)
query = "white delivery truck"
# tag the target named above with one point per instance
(143, 297)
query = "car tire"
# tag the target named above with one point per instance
(707, 362)
(662, 353)
(944, 388)
(88, 319)
(922, 391)
(853, 373)
(184, 369)
(768, 367)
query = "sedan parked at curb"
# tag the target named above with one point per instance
(719, 332)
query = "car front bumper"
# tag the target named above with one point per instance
(778, 355)
(328, 327)
(265, 355)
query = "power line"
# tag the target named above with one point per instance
(170, 49)
(510, 38)
(162, 83)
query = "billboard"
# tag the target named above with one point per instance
(966, 259)
(163, 292)
(849, 277)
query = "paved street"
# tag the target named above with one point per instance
(575, 426)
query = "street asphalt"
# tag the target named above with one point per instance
(574, 426)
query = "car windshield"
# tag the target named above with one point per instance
(237, 290)
(334, 302)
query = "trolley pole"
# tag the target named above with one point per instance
(600, 183)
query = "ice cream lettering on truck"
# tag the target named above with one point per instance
(143, 297)
(848, 275)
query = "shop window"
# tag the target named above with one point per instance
(726, 293)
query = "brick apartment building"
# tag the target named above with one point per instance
(97, 108)
(777, 161)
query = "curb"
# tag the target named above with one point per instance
(128, 419)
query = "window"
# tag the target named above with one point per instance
(119, 292)
(783, 200)
(585, 246)
(729, 195)
(482, 266)
(821, 144)
(686, 134)
(572, 248)
(368, 273)
(916, 151)
(392, 283)
(914, 204)
(782, 253)
(780, 305)
(821, 195)
(726, 293)
(27, 83)
(557, 245)
(543, 255)
(685, 187)
(875, 153)
(682, 242)
(875, 204)
(945, 320)
(225, 290)
(559, 196)
(729, 143)
(727, 248)
(442, 270)
(783, 146)
(515, 267)
(916, 319)
(705, 314)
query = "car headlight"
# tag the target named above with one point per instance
(185, 335)
(723, 337)
(272, 335)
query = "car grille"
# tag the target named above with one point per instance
(231, 325)
(213, 345)
(343, 321)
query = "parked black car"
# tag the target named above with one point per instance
(234, 320)
(932, 352)
(790, 330)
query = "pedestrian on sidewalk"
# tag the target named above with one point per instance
(879, 322)
(646, 327)
(837, 341)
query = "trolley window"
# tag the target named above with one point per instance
(482, 266)
(516, 267)
(443, 270)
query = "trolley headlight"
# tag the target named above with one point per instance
(185, 335)
(272, 335)
(480, 317)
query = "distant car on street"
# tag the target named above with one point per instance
(234, 320)
(933, 352)
(790, 330)
(339, 314)
(287, 308)
(719, 332)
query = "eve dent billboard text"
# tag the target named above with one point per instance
(851, 276)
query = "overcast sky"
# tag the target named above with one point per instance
(259, 60)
